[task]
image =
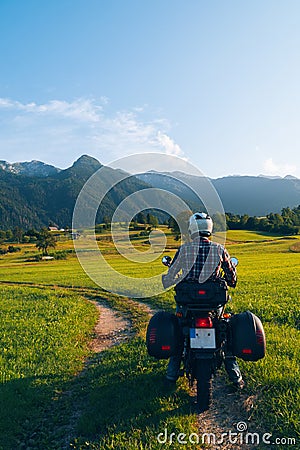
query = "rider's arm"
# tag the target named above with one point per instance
(174, 268)
(229, 269)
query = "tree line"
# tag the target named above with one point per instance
(42, 239)
(287, 223)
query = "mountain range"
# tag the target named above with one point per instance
(30, 168)
(255, 196)
(33, 201)
(34, 194)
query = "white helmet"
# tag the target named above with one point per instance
(200, 223)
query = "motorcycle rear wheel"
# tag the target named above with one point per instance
(204, 384)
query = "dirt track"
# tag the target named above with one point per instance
(110, 329)
(228, 407)
(229, 411)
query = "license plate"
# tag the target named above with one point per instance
(202, 338)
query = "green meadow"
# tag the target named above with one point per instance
(56, 394)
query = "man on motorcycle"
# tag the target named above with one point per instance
(198, 261)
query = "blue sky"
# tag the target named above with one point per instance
(215, 82)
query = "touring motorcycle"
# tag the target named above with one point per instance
(203, 333)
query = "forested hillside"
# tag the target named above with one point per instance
(33, 202)
(35, 194)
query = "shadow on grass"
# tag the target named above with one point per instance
(28, 416)
(124, 393)
(138, 402)
(121, 392)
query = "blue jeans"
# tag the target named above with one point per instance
(230, 363)
(232, 369)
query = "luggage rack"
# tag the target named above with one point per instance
(203, 305)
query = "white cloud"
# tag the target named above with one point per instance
(280, 169)
(59, 131)
(81, 109)
(171, 148)
(6, 103)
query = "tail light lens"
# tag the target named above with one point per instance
(247, 351)
(259, 337)
(203, 322)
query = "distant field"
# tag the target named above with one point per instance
(250, 236)
(70, 273)
(295, 247)
(36, 322)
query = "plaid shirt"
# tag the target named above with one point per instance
(199, 261)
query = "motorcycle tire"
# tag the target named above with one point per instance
(204, 384)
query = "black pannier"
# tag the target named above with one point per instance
(163, 337)
(211, 293)
(248, 336)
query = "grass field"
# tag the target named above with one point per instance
(44, 336)
(119, 401)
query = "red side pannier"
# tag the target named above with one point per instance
(248, 336)
(163, 336)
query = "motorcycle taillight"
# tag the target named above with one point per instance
(203, 322)
(247, 351)
(166, 347)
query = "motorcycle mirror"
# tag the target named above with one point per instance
(234, 261)
(166, 260)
